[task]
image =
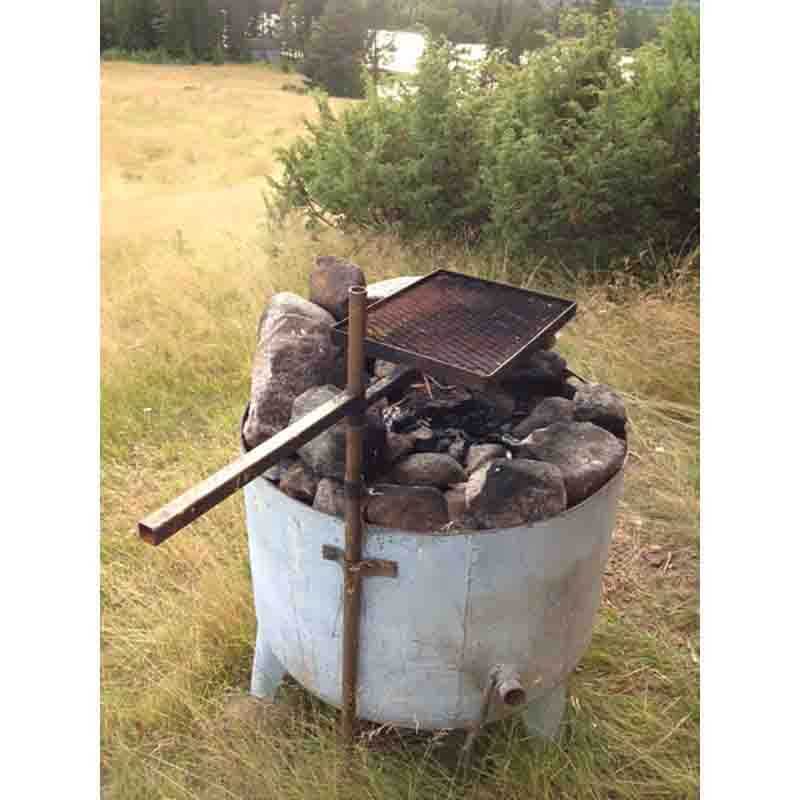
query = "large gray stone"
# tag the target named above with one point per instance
(331, 279)
(507, 492)
(330, 497)
(480, 454)
(548, 411)
(398, 445)
(587, 455)
(326, 453)
(411, 508)
(428, 469)
(294, 353)
(289, 303)
(299, 482)
(601, 405)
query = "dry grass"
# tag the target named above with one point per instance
(178, 326)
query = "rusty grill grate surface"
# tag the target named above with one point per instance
(462, 328)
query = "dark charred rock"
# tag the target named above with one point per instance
(330, 282)
(548, 411)
(428, 469)
(412, 508)
(602, 406)
(325, 454)
(547, 366)
(499, 404)
(587, 455)
(293, 354)
(507, 492)
(480, 454)
(330, 497)
(299, 482)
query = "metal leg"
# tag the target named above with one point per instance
(543, 716)
(268, 672)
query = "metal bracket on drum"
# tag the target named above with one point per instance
(368, 568)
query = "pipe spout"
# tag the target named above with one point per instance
(509, 687)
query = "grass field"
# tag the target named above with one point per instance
(188, 261)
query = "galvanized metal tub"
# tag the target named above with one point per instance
(462, 603)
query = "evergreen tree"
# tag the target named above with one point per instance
(497, 26)
(336, 50)
(108, 25)
(138, 24)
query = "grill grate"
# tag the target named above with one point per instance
(460, 328)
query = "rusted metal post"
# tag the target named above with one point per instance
(357, 326)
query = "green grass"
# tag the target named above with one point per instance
(186, 270)
(178, 624)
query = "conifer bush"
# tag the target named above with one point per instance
(565, 148)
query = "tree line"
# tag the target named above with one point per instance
(217, 29)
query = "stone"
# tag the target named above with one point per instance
(294, 353)
(330, 497)
(587, 455)
(428, 469)
(602, 406)
(411, 508)
(331, 279)
(291, 304)
(398, 445)
(543, 375)
(505, 492)
(277, 471)
(325, 454)
(299, 482)
(546, 412)
(456, 500)
(458, 449)
(480, 454)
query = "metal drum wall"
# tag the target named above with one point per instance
(462, 603)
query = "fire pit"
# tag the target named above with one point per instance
(492, 483)
(461, 604)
